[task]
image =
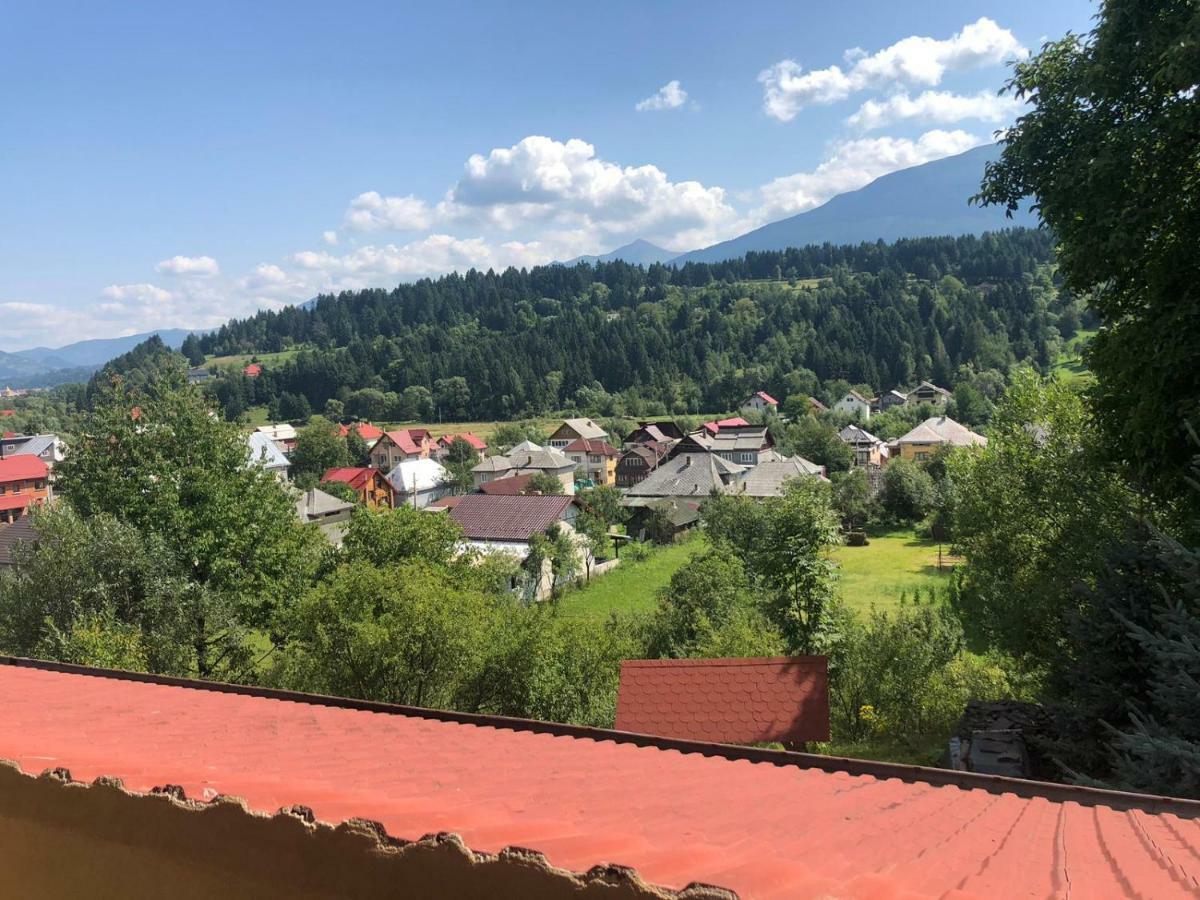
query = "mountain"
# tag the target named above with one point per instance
(98, 351)
(924, 201)
(637, 252)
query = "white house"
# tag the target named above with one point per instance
(265, 451)
(418, 482)
(854, 404)
(760, 402)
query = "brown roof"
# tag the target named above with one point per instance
(761, 823)
(591, 447)
(728, 701)
(510, 486)
(20, 531)
(491, 518)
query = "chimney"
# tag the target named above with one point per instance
(687, 462)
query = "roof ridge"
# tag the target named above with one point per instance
(994, 784)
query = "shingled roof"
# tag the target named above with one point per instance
(763, 823)
(728, 701)
(687, 475)
(485, 517)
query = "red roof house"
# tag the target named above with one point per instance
(715, 427)
(510, 519)
(366, 431)
(728, 701)
(24, 482)
(252, 370)
(594, 812)
(371, 485)
(395, 447)
(510, 486)
(477, 443)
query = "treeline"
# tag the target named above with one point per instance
(618, 339)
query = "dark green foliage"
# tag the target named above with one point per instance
(1109, 151)
(544, 483)
(319, 448)
(909, 493)
(148, 362)
(620, 340)
(852, 497)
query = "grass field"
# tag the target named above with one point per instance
(899, 561)
(1070, 366)
(239, 360)
(631, 587)
(872, 576)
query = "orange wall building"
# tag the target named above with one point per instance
(24, 482)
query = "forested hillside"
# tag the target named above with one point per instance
(620, 339)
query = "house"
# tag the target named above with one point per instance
(854, 404)
(659, 518)
(512, 808)
(639, 460)
(24, 482)
(394, 447)
(252, 370)
(595, 460)
(781, 699)
(266, 452)
(735, 422)
(695, 473)
(442, 444)
(283, 434)
(928, 393)
(889, 400)
(490, 468)
(200, 374)
(506, 524)
(760, 402)
(418, 482)
(368, 432)
(654, 433)
(329, 513)
(868, 449)
(548, 461)
(370, 484)
(13, 534)
(768, 479)
(46, 447)
(933, 434)
(526, 446)
(743, 444)
(574, 429)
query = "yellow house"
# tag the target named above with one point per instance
(595, 460)
(934, 433)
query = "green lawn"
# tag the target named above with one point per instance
(631, 586)
(1070, 366)
(239, 360)
(876, 574)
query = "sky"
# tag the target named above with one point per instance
(177, 164)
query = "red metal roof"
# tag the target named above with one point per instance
(765, 824)
(475, 441)
(728, 701)
(253, 370)
(501, 518)
(406, 440)
(366, 431)
(22, 467)
(766, 398)
(735, 422)
(354, 476)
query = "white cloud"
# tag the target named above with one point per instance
(139, 293)
(372, 212)
(920, 61)
(670, 96)
(941, 107)
(330, 237)
(200, 266)
(851, 165)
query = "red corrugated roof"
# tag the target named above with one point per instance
(735, 422)
(485, 518)
(764, 824)
(366, 431)
(354, 476)
(475, 441)
(406, 441)
(728, 701)
(19, 468)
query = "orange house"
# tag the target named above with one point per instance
(371, 485)
(24, 482)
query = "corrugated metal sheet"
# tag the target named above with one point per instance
(765, 830)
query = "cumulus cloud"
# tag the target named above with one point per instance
(916, 61)
(141, 293)
(199, 266)
(670, 96)
(330, 237)
(853, 164)
(373, 212)
(942, 107)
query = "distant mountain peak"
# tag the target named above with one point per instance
(636, 252)
(928, 200)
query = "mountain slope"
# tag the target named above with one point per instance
(637, 252)
(98, 351)
(924, 201)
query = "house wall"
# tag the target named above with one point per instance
(853, 407)
(919, 452)
(33, 491)
(64, 839)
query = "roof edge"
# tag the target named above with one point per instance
(994, 784)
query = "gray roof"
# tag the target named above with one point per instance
(943, 430)
(34, 445)
(546, 459)
(20, 531)
(315, 503)
(264, 449)
(493, 464)
(767, 479)
(688, 475)
(586, 428)
(733, 439)
(852, 434)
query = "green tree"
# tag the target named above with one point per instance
(1108, 151)
(544, 483)
(154, 459)
(452, 397)
(192, 351)
(460, 459)
(852, 497)
(909, 493)
(319, 447)
(389, 537)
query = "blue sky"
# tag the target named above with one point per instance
(176, 164)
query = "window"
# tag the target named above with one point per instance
(920, 456)
(40, 484)
(746, 457)
(595, 460)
